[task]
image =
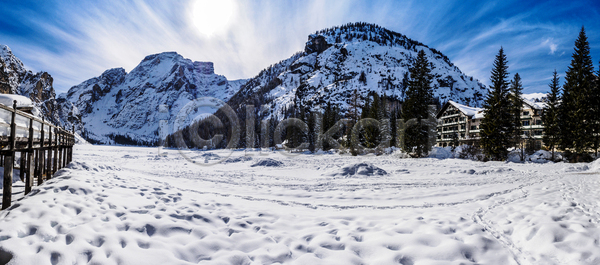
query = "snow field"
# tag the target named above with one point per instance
(123, 205)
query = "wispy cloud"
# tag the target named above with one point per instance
(550, 44)
(78, 40)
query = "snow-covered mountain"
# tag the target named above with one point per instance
(125, 108)
(359, 56)
(16, 79)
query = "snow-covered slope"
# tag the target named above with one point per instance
(120, 107)
(16, 79)
(129, 205)
(334, 60)
(535, 96)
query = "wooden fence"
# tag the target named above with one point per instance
(43, 148)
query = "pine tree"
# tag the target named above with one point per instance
(497, 121)
(516, 92)
(393, 127)
(594, 115)
(371, 134)
(550, 115)
(576, 130)
(418, 96)
(355, 104)
(311, 137)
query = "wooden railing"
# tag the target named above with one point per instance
(43, 147)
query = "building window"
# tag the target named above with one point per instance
(538, 122)
(525, 113)
(525, 123)
(473, 127)
(537, 132)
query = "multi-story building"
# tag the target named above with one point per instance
(457, 122)
(531, 122)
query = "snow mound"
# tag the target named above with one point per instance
(595, 166)
(211, 155)
(268, 162)
(540, 156)
(237, 159)
(491, 171)
(22, 102)
(576, 168)
(360, 169)
(441, 153)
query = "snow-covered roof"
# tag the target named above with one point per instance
(479, 114)
(469, 111)
(534, 96)
(22, 102)
(535, 105)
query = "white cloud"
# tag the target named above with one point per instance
(549, 42)
(105, 35)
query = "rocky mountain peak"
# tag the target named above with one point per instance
(354, 57)
(114, 75)
(206, 68)
(120, 107)
(316, 43)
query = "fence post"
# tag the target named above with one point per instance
(22, 166)
(49, 171)
(29, 160)
(65, 148)
(55, 155)
(9, 161)
(71, 143)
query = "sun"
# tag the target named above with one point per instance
(212, 16)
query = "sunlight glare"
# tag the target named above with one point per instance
(212, 16)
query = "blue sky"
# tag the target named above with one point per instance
(78, 40)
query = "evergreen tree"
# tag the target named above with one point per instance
(311, 137)
(362, 78)
(576, 130)
(393, 127)
(550, 115)
(454, 142)
(371, 133)
(516, 93)
(594, 115)
(355, 104)
(418, 96)
(497, 121)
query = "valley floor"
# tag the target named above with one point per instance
(128, 205)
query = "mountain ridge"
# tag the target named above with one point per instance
(124, 108)
(357, 56)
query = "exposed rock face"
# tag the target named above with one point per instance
(92, 90)
(205, 68)
(16, 79)
(12, 71)
(124, 108)
(316, 43)
(37, 86)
